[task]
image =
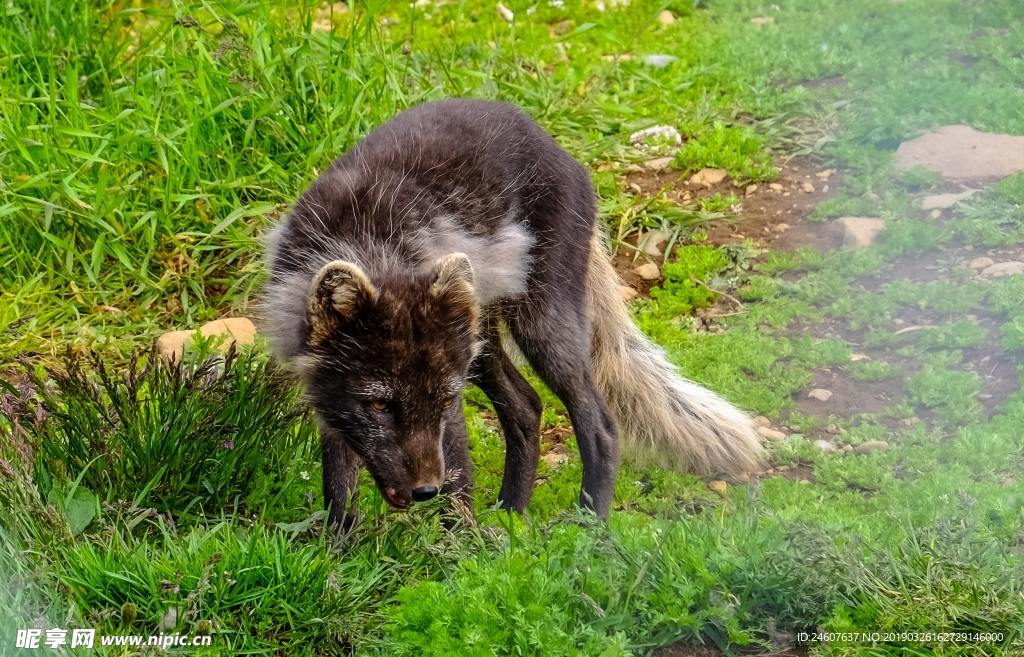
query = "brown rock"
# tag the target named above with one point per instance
(628, 293)
(708, 177)
(773, 435)
(718, 486)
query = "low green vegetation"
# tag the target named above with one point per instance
(146, 146)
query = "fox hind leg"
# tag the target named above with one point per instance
(554, 334)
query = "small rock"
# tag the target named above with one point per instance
(870, 446)
(1008, 268)
(983, 262)
(860, 231)
(824, 445)
(820, 394)
(944, 201)
(773, 435)
(628, 292)
(761, 21)
(658, 164)
(718, 486)
(762, 421)
(656, 133)
(935, 214)
(780, 228)
(856, 358)
(708, 177)
(808, 188)
(775, 187)
(648, 271)
(826, 174)
(666, 17)
(505, 13)
(751, 189)
(659, 61)
(239, 330)
(649, 241)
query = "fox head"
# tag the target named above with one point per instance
(385, 363)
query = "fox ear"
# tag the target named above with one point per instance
(453, 281)
(335, 293)
(453, 276)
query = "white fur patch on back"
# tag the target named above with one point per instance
(501, 262)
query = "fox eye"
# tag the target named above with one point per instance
(447, 403)
(379, 405)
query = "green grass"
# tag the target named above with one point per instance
(145, 148)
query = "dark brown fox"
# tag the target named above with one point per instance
(398, 272)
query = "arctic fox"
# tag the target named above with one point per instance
(400, 271)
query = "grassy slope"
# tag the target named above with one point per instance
(143, 151)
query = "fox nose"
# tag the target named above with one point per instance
(424, 493)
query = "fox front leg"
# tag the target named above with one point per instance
(341, 481)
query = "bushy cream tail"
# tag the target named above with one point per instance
(662, 417)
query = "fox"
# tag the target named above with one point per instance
(453, 239)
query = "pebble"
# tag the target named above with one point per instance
(718, 486)
(628, 292)
(666, 17)
(982, 262)
(808, 188)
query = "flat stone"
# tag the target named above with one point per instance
(860, 231)
(869, 446)
(628, 292)
(945, 201)
(959, 152)
(659, 60)
(1000, 269)
(820, 394)
(761, 21)
(982, 262)
(648, 271)
(856, 358)
(824, 445)
(708, 177)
